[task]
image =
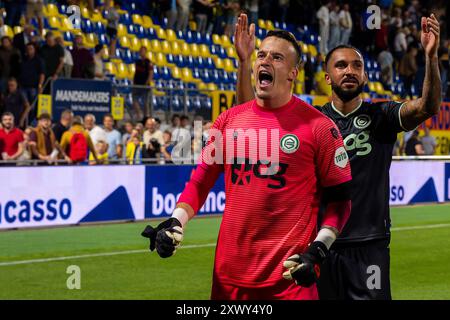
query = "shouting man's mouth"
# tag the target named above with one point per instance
(265, 78)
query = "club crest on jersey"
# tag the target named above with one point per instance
(341, 157)
(362, 121)
(289, 143)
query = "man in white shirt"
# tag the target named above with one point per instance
(335, 28)
(346, 23)
(153, 139)
(95, 132)
(323, 15)
(428, 142)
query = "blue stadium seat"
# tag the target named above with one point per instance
(125, 19)
(210, 63)
(99, 28)
(170, 58)
(68, 36)
(214, 75)
(207, 39)
(156, 74)
(125, 55)
(205, 76)
(196, 73)
(165, 73)
(261, 33)
(102, 39)
(179, 61)
(199, 63)
(86, 26)
(150, 33)
(188, 37)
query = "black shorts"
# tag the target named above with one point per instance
(356, 271)
(112, 33)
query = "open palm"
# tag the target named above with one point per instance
(430, 35)
(244, 38)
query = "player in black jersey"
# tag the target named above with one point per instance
(358, 264)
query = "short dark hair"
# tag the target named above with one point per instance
(77, 120)
(108, 115)
(175, 116)
(342, 46)
(184, 117)
(7, 114)
(288, 36)
(44, 116)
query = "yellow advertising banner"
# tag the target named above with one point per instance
(44, 104)
(222, 101)
(117, 108)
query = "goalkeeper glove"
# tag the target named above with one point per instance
(166, 237)
(305, 268)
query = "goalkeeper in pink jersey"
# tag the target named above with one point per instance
(280, 158)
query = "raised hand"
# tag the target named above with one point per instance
(430, 35)
(244, 38)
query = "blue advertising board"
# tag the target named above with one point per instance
(81, 96)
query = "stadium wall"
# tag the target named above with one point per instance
(52, 196)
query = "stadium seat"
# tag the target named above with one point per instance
(261, 24)
(54, 23)
(165, 47)
(121, 30)
(156, 46)
(146, 43)
(90, 41)
(137, 19)
(135, 44)
(110, 68)
(226, 43)
(171, 35)
(17, 29)
(51, 10)
(194, 50)
(204, 51)
(124, 42)
(161, 33)
(228, 65)
(7, 31)
(185, 49)
(216, 39)
(147, 22)
(176, 49)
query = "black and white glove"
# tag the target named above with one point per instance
(166, 237)
(305, 268)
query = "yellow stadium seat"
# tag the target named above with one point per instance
(254, 54)
(160, 59)
(131, 69)
(7, 31)
(187, 75)
(110, 68)
(176, 49)
(228, 65)
(147, 22)
(122, 71)
(231, 52)
(124, 41)
(165, 47)
(185, 49)
(371, 86)
(204, 51)
(269, 25)
(146, 43)
(137, 19)
(17, 29)
(176, 73)
(313, 50)
(65, 24)
(161, 33)
(51, 10)
(135, 44)
(226, 41)
(202, 86)
(121, 30)
(91, 40)
(218, 63)
(85, 13)
(365, 95)
(258, 43)
(96, 17)
(171, 35)
(54, 22)
(156, 46)
(195, 52)
(261, 24)
(304, 47)
(212, 86)
(299, 88)
(216, 39)
(379, 89)
(105, 55)
(193, 25)
(150, 56)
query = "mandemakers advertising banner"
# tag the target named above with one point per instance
(81, 96)
(50, 196)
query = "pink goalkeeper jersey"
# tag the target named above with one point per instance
(270, 214)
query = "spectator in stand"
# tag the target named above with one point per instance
(233, 7)
(386, 61)
(169, 10)
(95, 132)
(23, 38)
(167, 147)
(112, 16)
(83, 61)
(11, 138)
(309, 73)
(68, 61)
(35, 9)
(202, 9)
(428, 142)
(128, 128)
(143, 76)
(98, 61)
(13, 12)
(323, 15)
(101, 148)
(16, 103)
(396, 19)
(9, 62)
(134, 148)
(32, 77)
(181, 138)
(113, 138)
(53, 56)
(63, 125)
(400, 44)
(140, 128)
(335, 27)
(184, 122)
(175, 122)
(346, 23)
(414, 146)
(45, 147)
(153, 139)
(76, 142)
(408, 68)
(444, 68)
(381, 36)
(284, 7)
(252, 6)
(27, 154)
(183, 14)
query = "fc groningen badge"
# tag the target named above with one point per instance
(289, 143)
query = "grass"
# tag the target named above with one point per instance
(420, 260)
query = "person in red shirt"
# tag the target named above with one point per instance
(11, 138)
(280, 157)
